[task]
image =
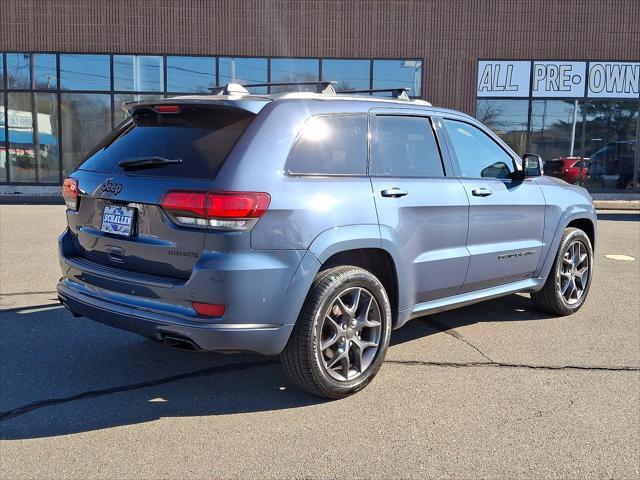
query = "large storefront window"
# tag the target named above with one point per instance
(243, 70)
(611, 144)
(398, 73)
(350, 74)
(191, 74)
(508, 118)
(136, 73)
(85, 72)
(54, 108)
(582, 118)
(86, 118)
(294, 70)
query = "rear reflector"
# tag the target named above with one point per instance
(208, 309)
(226, 210)
(70, 193)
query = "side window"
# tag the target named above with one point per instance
(478, 155)
(406, 147)
(331, 145)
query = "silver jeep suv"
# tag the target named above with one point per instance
(310, 225)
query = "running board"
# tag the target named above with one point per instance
(464, 299)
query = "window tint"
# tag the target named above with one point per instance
(406, 147)
(478, 155)
(331, 145)
(201, 138)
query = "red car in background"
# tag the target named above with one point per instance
(570, 169)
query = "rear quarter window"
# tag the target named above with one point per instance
(201, 137)
(330, 145)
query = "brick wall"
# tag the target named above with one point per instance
(449, 36)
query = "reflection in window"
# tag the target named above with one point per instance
(350, 74)
(1, 72)
(243, 70)
(45, 76)
(331, 146)
(119, 98)
(294, 70)
(84, 72)
(191, 74)
(3, 144)
(86, 118)
(22, 151)
(47, 137)
(137, 73)
(508, 119)
(477, 154)
(610, 143)
(18, 70)
(398, 73)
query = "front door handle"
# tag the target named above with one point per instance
(481, 192)
(394, 192)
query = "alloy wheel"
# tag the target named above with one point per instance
(574, 273)
(349, 334)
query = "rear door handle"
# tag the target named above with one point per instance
(394, 192)
(481, 192)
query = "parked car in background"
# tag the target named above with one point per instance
(570, 169)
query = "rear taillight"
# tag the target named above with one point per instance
(218, 210)
(70, 193)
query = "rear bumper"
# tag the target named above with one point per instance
(263, 292)
(268, 339)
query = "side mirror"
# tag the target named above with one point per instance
(531, 165)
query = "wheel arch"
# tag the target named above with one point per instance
(584, 220)
(360, 246)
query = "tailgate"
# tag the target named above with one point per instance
(155, 246)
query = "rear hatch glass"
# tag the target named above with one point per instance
(192, 143)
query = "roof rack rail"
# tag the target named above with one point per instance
(322, 86)
(399, 93)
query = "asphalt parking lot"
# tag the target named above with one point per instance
(495, 390)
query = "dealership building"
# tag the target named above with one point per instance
(561, 79)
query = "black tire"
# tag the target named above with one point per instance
(303, 360)
(551, 299)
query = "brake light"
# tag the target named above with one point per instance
(70, 193)
(224, 210)
(208, 309)
(167, 108)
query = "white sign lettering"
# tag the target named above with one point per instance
(558, 79)
(614, 80)
(503, 79)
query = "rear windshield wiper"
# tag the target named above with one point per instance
(147, 162)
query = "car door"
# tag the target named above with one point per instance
(422, 211)
(506, 215)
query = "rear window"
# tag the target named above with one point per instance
(331, 145)
(201, 138)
